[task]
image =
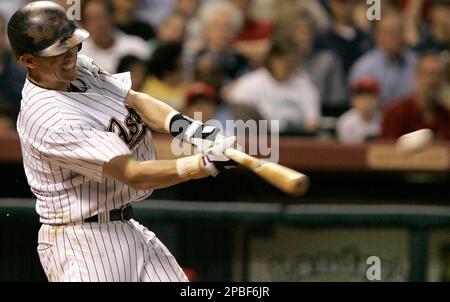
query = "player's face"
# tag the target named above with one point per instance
(55, 72)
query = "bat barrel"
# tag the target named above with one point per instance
(299, 185)
(285, 179)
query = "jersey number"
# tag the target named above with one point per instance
(133, 131)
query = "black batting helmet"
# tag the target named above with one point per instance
(42, 29)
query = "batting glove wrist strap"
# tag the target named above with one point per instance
(191, 167)
(186, 129)
(210, 166)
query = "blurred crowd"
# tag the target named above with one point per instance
(320, 67)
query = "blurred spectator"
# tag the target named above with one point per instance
(207, 70)
(154, 11)
(362, 122)
(136, 67)
(106, 44)
(411, 13)
(254, 39)
(194, 36)
(7, 118)
(315, 9)
(12, 75)
(222, 21)
(446, 90)
(418, 8)
(252, 29)
(423, 108)
(201, 99)
(8, 8)
(323, 66)
(414, 15)
(167, 81)
(171, 30)
(438, 35)
(187, 8)
(280, 92)
(125, 20)
(391, 63)
(359, 17)
(343, 36)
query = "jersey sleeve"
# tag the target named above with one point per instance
(111, 85)
(83, 150)
(116, 85)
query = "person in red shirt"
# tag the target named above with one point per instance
(423, 109)
(254, 39)
(253, 29)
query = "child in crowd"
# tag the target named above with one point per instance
(362, 122)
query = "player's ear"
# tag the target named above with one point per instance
(28, 61)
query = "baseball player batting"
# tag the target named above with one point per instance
(88, 155)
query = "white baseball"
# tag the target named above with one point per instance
(415, 142)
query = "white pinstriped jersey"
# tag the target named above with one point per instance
(67, 137)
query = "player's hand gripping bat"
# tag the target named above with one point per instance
(285, 179)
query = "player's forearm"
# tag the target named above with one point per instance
(155, 174)
(152, 111)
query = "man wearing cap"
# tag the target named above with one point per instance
(362, 122)
(201, 99)
(88, 155)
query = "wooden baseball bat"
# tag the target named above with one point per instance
(285, 179)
